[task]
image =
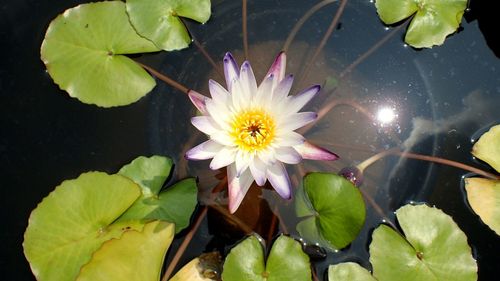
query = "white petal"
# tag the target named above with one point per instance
(278, 67)
(238, 96)
(288, 155)
(296, 120)
(218, 93)
(205, 124)
(258, 170)
(247, 80)
(289, 138)
(267, 156)
(223, 138)
(313, 152)
(242, 161)
(282, 90)
(198, 100)
(278, 177)
(265, 92)
(219, 113)
(205, 150)
(230, 69)
(237, 187)
(223, 158)
(298, 101)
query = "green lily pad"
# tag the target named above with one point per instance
(286, 261)
(484, 198)
(74, 220)
(175, 204)
(435, 249)
(348, 271)
(84, 50)
(333, 208)
(158, 20)
(136, 256)
(433, 20)
(487, 148)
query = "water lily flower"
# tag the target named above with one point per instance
(251, 128)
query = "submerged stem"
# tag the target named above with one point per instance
(302, 20)
(165, 78)
(244, 27)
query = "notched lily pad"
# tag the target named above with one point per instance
(434, 248)
(158, 20)
(487, 148)
(348, 271)
(333, 208)
(136, 256)
(74, 220)
(286, 261)
(174, 204)
(84, 50)
(432, 21)
(484, 198)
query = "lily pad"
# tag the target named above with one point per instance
(286, 261)
(74, 220)
(158, 20)
(434, 248)
(136, 256)
(487, 148)
(484, 198)
(84, 50)
(175, 204)
(433, 20)
(348, 271)
(333, 209)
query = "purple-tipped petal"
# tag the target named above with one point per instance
(278, 67)
(198, 100)
(297, 120)
(282, 90)
(231, 71)
(258, 170)
(298, 101)
(237, 187)
(288, 155)
(247, 79)
(218, 93)
(205, 124)
(313, 152)
(203, 151)
(278, 177)
(224, 157)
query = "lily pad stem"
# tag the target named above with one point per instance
(244, 27)
(165, 78)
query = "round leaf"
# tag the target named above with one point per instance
(136, 256)
(286, 261)
(74, 220)
(348, 271)
(433, 21)
(434, 249)
(83, 51)
(484, 198)
(175, 204)
(487, 148)
(158, 20)
(336, 211)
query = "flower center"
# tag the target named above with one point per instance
(252, 129)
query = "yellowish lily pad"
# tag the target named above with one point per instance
(484, 198)
(487, 148)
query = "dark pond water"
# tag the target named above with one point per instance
(435, 102)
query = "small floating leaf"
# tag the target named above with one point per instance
(333, 208)
(74, 220)
(484, 198)
(84, 52)
(286, 262)
(136, 256)
(175, 204)
(348, 271)
(433, 19)
(158, 20)
(487, 148)
(434, 248)
(206, 267)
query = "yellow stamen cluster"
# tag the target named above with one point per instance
(252, 130)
